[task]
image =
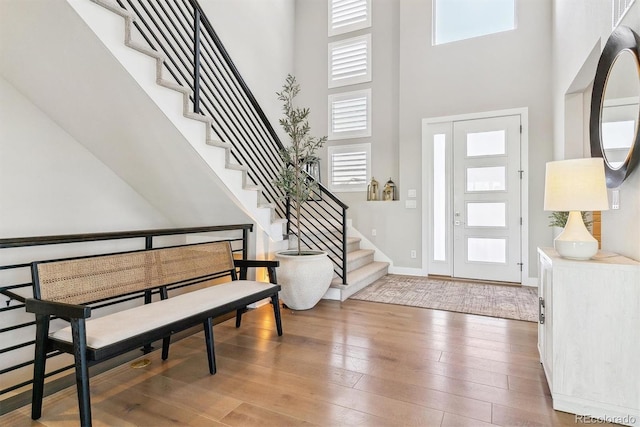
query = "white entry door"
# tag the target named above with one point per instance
(486, 199)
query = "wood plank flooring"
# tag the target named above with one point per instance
(351, 363)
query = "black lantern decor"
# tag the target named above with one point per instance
(389, 191)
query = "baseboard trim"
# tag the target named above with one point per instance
(407, 271)
(332, 294)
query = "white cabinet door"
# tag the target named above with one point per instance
(545, 322)
(590, 340)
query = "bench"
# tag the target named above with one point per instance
(64, 288)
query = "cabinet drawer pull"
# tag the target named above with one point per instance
(541, 310)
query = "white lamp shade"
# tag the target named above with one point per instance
(576, 185)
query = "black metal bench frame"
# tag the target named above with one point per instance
(85, 356)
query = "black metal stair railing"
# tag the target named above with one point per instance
(323, 226)
(196, 59)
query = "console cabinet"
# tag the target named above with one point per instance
(589, 334)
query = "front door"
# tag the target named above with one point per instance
(486, 199)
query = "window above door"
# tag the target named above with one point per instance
(455, 20)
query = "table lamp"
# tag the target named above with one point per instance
(574, 186)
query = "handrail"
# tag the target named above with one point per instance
(236, 73)
(13, 242)
(328, 192)
(237, 235)
(197, 59)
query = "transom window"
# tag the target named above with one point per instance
(455, 20)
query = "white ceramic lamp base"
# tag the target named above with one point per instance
(575, 241)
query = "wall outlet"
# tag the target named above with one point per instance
(413, 254)
(373, 232)
(411, 193)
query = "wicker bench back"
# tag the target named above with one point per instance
(80, 281)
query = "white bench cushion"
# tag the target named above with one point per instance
(112, 328)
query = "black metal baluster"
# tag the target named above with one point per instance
(196, 61)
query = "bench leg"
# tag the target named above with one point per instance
(148, 348)
(239, 313)
(166, 341)
(82, 370)
(39, 364)
(276, 312)
(208, 339)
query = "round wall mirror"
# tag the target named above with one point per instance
(615, 106)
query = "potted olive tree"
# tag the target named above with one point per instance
(304, 275)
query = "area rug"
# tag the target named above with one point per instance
(508, 302)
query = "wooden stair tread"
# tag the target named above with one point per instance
(359, 274)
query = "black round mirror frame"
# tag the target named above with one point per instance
(622, 39)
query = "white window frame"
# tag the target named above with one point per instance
(337, 149)
(346, 45)
(345, 28)
(346, 96)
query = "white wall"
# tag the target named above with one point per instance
(72, 77)
(413, 80)
(311, 71)
(51, 184)
(259, 36)
(578, 27)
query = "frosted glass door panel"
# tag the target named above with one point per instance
(486, 143)
(486, 214)
(487, 179)
(487, 250)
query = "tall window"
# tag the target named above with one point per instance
(455, 20)
(439, 198)
(349, 113)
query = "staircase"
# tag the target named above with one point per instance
(223, 122)
(362, 270)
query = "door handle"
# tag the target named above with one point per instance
(457, 221)
(541, 310)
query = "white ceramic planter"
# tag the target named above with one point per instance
(304, 278)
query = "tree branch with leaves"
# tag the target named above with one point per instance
(296, 184)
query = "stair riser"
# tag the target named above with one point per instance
(353, 246)
(355, 287)
(360, 262)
